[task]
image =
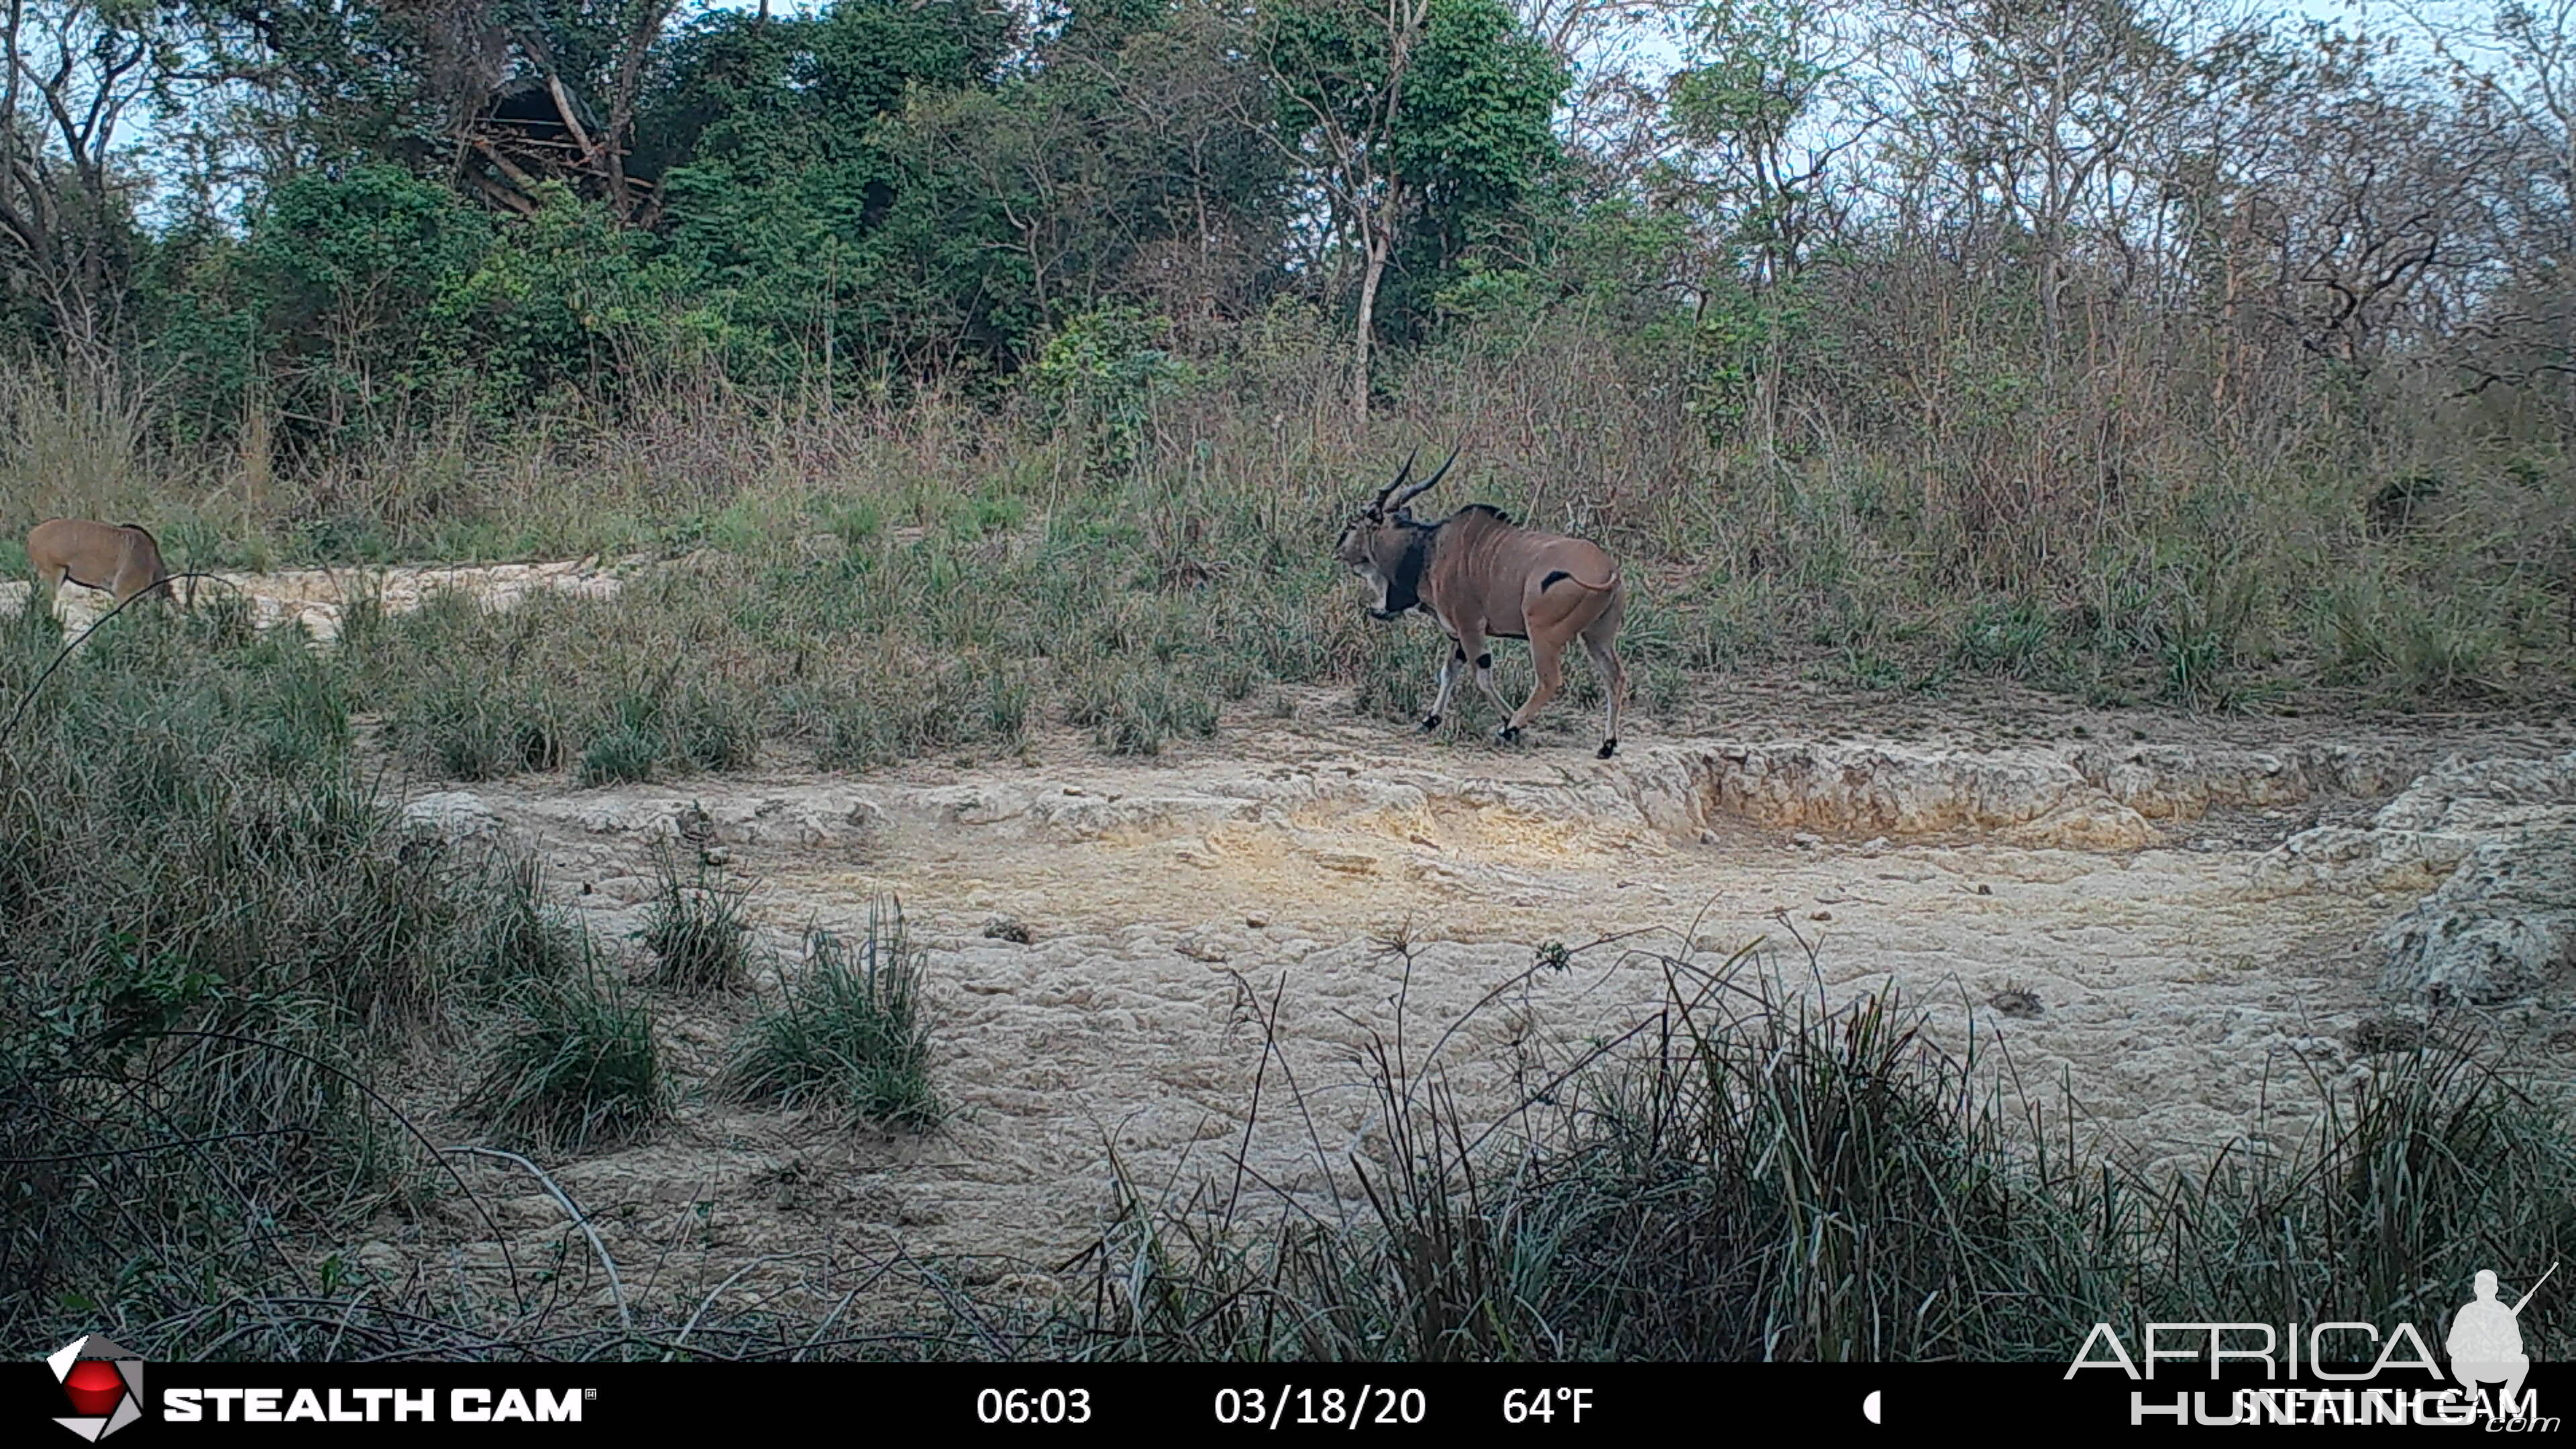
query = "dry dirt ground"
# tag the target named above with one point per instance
(2165, 922)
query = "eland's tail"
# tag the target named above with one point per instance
(1559, 575)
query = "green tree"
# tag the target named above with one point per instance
(790, 199)
(1759, 72)
(557, 310)
(1412, 123)
(1117, 168)
(344, 273)
(77, 70)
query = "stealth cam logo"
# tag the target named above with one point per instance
(104, 1383)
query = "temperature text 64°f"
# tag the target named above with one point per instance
(1522, 1406)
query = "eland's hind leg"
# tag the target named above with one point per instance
(53, 579)
(1548, 655)
(1614, 682)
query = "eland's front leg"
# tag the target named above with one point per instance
(1450, 664)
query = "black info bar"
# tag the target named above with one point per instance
(177, 1403)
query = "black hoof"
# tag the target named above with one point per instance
(1608, 748)
(1430, 722)
(1508, 734)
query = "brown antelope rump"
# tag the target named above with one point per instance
(119, 560)
(1482, 577)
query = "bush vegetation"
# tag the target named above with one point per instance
(945, 343)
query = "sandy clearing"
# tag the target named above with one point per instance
(2188, 994)
(315, 598)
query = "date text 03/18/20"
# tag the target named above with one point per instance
(1338, 1408)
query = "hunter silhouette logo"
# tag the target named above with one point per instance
(104, 1383)
(2486, 1342)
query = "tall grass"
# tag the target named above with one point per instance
(850, 1032)
(576, 1069)
(1745, 1174)
(698, 929)
(1752, 1176)
(214, 937)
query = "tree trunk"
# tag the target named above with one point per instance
(1379, 242)
(622, 103)
(1767, 396)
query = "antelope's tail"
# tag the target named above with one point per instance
(1560, 575)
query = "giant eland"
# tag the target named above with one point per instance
(1481, 576)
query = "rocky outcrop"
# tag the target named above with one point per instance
(800, 817)
(2502, 927)
(2424, 834)
(2038, 797)
(2495, 840)
(2092, 796)
(2045, 797)
(2174, 782)
(451, 817)
(1063, 814)
(2027, 797)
